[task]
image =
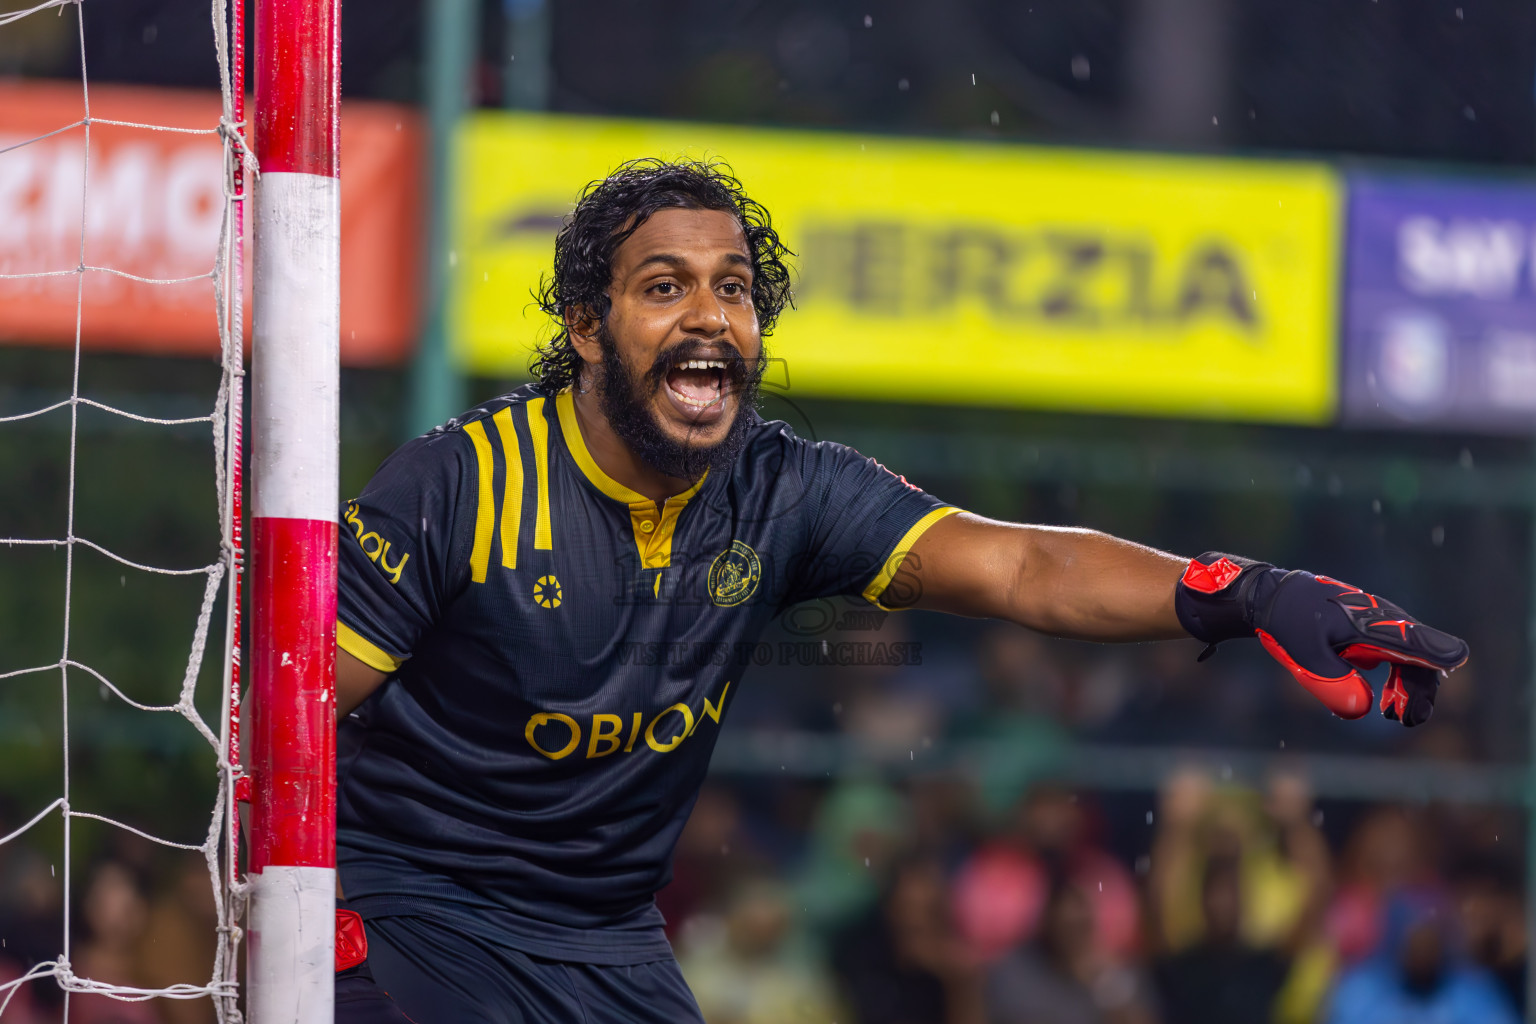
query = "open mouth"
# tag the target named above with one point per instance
(698, 383)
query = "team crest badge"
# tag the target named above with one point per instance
(547, 592)
(734, 575)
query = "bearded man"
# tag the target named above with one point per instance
(546, 606)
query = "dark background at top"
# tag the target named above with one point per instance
(1427, 80)
(1445, 80)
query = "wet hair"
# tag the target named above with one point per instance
(612, 209)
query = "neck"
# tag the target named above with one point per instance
(615, 458)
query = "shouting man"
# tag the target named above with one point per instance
(513, 775)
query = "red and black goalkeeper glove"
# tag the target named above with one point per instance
(1322, 631)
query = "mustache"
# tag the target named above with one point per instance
(626, 398)
(739, 374)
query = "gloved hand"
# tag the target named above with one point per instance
(1322, 631)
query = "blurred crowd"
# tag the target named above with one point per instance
(138, 917)
(910, 905)
(989, 889)
(938, 886)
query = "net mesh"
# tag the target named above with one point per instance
(221, 574)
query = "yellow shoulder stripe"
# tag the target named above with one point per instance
(512, 488)
(485, 511)
(538, 429)
(892, 565)
(351, 641)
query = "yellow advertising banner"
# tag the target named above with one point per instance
(959, 273)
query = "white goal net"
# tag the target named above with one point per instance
(57, 175)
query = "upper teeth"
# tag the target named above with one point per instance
(704, 364)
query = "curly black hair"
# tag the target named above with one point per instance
(609, 211)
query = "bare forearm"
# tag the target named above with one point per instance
(1074, 583)
(1091, 586)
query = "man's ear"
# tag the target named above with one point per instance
(583, 327)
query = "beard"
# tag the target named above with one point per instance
(626, 401)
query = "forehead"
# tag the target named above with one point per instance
(704, 237)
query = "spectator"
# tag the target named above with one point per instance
(1385, 852)
(1063, 977)
(1020, 723)
(31, 915)
(755, 970)
(860, 831)
(1221, 979)
(1023, 672)
(944, 821)
(1281, 867)
(114, 911)
(904, 963)
(1001, 890)
(1420, 974)
(711, 854)
(179, 941)
(1492, 918)
(1282, 859)
(1171, 700)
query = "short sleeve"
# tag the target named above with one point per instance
(400, 563)
(861, 521)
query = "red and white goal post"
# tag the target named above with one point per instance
(294, 491)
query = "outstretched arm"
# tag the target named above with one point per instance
(1066, 582)
(1090, 586)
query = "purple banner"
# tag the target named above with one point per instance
(1440, 304)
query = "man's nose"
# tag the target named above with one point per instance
(705, 315)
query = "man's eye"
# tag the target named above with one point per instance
(664, 288)
(732, 288)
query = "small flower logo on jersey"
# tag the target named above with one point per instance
(547, 592)
(734, 575)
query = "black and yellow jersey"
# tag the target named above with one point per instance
(562, 652)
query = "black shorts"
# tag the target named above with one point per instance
(435, 974)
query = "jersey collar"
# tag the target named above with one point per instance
(565, 405)
(653, 524)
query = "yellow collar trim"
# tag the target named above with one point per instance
(565, 405)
